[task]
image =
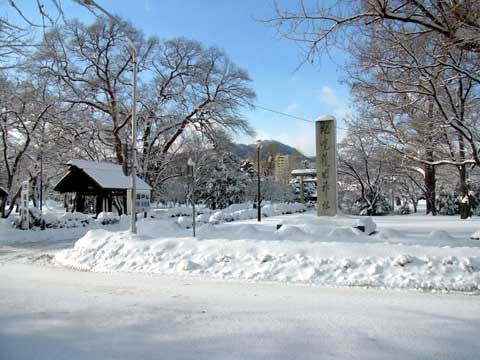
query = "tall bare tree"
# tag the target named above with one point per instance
(90, 65)
(194, 90)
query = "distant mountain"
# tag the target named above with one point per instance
(269, 148)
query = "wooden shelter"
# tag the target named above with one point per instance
(96, 187)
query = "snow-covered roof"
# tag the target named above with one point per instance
(304, 172)
(108, 175)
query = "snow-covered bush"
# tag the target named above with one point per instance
(185, 211)
(404, 208)
(220, 216)
(53, 221)
(108, 218)
(447, 203)
(246, 211)
(380, 207)
(221, 182)
(309, 190)
(179, 211)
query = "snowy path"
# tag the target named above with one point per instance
(52, 313)
(31, 251)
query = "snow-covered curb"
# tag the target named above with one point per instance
(287, 257)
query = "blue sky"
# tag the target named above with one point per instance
(309, 91)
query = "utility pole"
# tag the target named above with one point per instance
(259, 210)
(191, 168)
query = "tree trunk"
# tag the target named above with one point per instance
(465, 203)
(3, 206)
(430, 189)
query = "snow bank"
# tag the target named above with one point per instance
(291, 254)
(475, 235)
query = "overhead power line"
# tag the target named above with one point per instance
(289, 115)
(282, 113)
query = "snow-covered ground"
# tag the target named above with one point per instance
(63, 225)
(414, 252)
(57, 314)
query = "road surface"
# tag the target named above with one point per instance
(54, 313)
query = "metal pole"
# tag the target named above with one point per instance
(393, 197)
(259, 212)
(41, 164)
(133, 224)
(193, 200)
(41, 179)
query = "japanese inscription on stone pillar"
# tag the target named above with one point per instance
(326, 166)
(24, 197)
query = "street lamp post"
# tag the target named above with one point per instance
(191, 168)
(393, 196)
(259, 211)
(133, 52)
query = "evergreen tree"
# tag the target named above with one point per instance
(222, 182)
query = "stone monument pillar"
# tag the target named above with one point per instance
(326, 144)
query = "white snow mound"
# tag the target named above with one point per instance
(277, 257)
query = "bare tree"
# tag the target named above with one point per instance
(365, 161)
(420, 104)
(195, 90)
(23, 108)
(320, 24)
(90, 66)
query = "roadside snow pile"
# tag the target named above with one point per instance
(475, 235)
(290, 254)
(439, 235)
(366, 225)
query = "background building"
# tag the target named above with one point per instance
(283, 166)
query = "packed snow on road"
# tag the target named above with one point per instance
(59, 314)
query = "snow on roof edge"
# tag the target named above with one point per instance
(108, 175)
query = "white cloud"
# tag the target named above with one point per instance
(292, 108)
(337, 105)
(340, 113)
(328, 96)
(147, 6)
(302, 137)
